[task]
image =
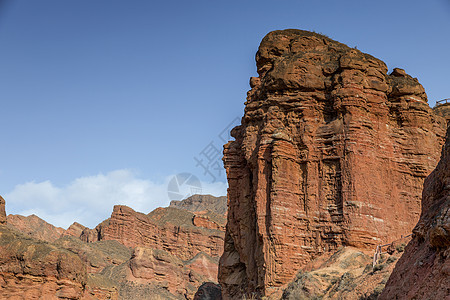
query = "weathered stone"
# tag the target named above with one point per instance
(2, 211)
(197, 203)
(331, 151)
(35, 227)
(33, 269)
(208, 291)
(423, 272)
(76, 229)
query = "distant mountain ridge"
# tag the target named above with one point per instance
(165, 254)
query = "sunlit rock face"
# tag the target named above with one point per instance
(331, 151)
(423, 272)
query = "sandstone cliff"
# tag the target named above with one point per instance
(331, 151)
(423, 272)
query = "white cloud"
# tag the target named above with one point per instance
(90, 200)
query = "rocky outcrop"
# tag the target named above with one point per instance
(2, 211)
(167, 229)
(174, 250)
(208, 291)
(166, 254)
(76, 229)
(33, 269)
(347, 274)
(331, 152)
(443, 110)
(196, 203)
(35, 227)
(169, 272)
(423, 272)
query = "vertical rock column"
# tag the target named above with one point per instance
(331, 151)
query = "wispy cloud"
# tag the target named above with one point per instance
(89, 200)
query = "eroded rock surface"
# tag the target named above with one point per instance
(2, 211)
(33, 269)
(197, 203)
(35, 227)
(174, 250)
(332, 151)
(423, 272)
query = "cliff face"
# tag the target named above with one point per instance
(423, 272)
(331, 151)
(168, 229)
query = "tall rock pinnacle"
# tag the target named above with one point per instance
(331, 151)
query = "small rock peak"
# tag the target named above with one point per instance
(255, 82)
(397, 72)
(2, 211)
(442, 108)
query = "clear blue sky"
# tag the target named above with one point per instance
(93, 87)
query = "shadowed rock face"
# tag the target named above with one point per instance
(208, 291)
(423, 272)
(331, 151)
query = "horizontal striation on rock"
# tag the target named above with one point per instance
(331, 151)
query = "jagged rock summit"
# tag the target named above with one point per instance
(332, 151)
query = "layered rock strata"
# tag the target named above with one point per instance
(35, 269)
(331, 151)
(168, 229)
(423, 272)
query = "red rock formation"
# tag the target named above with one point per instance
(423, 272)
(196, 203)
(168, 229)
(2, 211)
(175, 250)
(33, 269)
(331, 151)
(76, 229)
(443, 109)
(35, 227)
(168, 271)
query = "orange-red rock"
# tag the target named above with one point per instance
(423, 272)
(33, 269)
(331, 151)
(2, 211)
(76, 229)
(35, 227)
(168, 229)
(443, 110)
(197, 203)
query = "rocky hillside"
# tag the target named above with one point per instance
(197, 203)
(423, 272)
(332, 151)
(35, 227)
(166, 254)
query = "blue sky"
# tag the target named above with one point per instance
(126, 93)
